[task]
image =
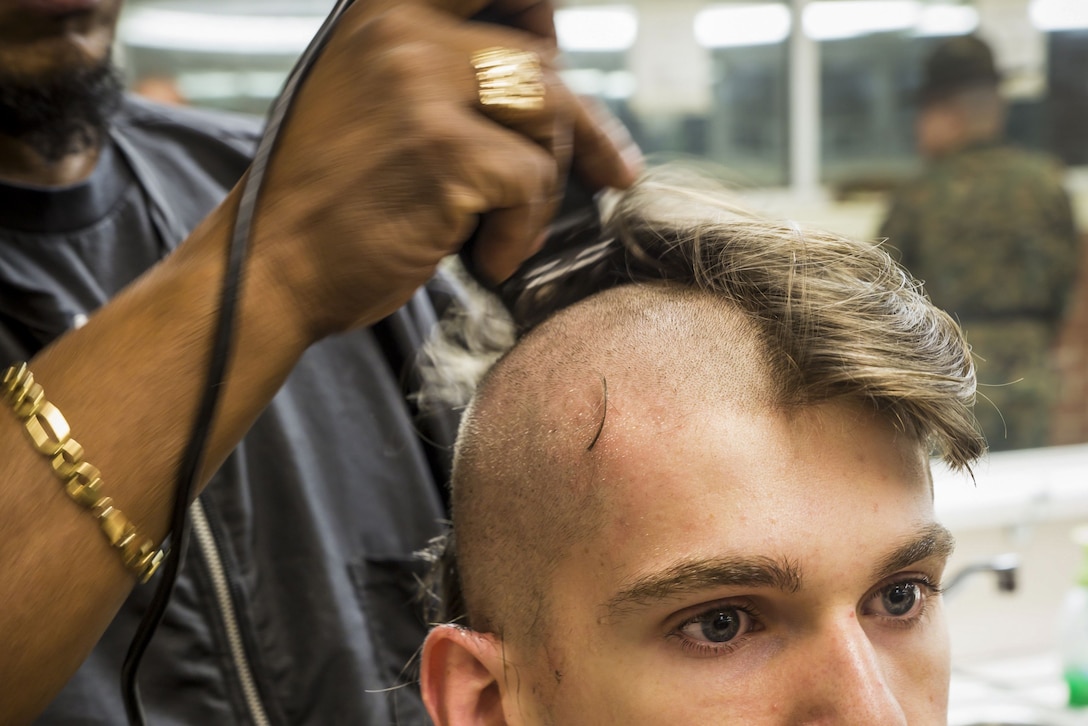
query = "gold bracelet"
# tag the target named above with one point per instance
(49, 433)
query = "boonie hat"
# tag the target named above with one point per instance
(958, 63)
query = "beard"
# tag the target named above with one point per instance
(64, 113)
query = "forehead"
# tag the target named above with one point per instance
(665, 403)
(820, 486)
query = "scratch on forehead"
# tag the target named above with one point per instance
(602, 408)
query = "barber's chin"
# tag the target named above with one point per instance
(58, 7)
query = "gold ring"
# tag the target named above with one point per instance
(509, 79)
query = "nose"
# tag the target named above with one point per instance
(844, 684)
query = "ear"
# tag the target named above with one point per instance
(460, 675)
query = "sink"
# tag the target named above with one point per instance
(1021, 690)
(1014, 714)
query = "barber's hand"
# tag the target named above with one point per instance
(389, 161)
(604, 155)
(598, 135)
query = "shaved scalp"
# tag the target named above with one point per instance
(526, 467)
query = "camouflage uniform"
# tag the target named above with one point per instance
(990, 231)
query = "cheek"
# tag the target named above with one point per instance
(610, 684)
(918, 670)
(617, 696)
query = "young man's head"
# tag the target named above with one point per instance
(707, 499)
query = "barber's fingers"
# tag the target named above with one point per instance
(578, 133)
(503, 185)
(534, 16)
(507, 171)
(449, 73)
(505, 176)
(538, 18)
(506, 238)
(604, 154)
(510, 233)
(515, 226)
(573, 129)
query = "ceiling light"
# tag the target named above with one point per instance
(149, 27)
(947, 20)
(1051, 15)
(731, 26)
(596, 29)
(837, 19)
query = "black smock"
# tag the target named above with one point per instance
(296, 601)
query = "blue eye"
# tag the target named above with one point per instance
(903, 602)
(719, 625)
(899, 599)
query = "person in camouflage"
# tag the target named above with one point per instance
(989, 229)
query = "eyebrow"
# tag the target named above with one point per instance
(933, 540)
(698, 575)
(693, 576)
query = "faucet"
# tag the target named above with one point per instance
(1004, 566)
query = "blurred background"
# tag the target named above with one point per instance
(810, 105)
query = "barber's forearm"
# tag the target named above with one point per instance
(129, 384)
(131, 380)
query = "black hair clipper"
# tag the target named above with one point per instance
(577, 260)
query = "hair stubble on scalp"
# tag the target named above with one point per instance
(532, 445)
(725, 308)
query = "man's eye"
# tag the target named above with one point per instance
(899, 599)
(903, 600)
(719, 625)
